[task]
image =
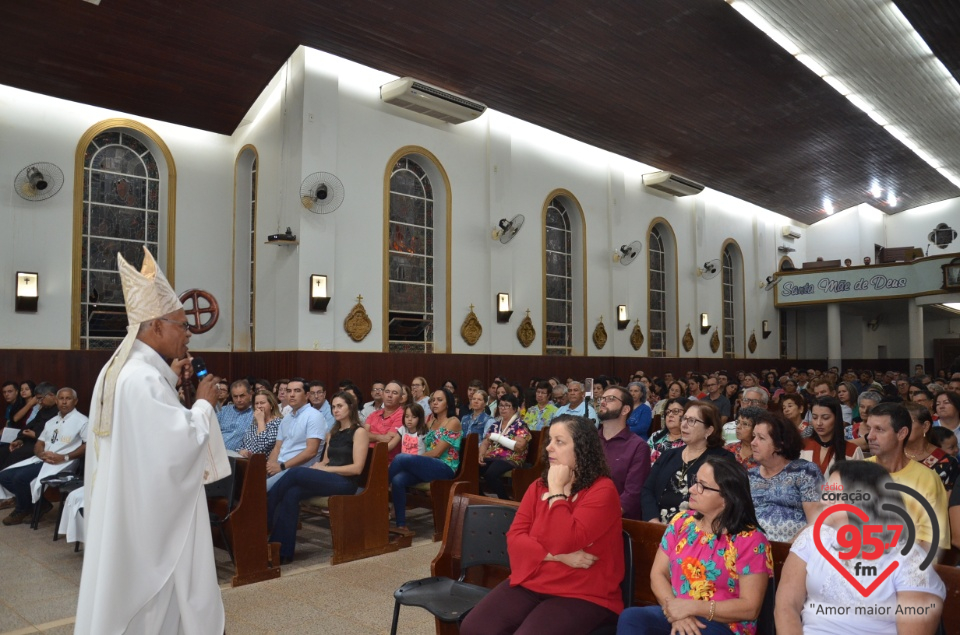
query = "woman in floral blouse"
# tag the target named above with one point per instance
(504, 448)
(711, 572)
(440, 461)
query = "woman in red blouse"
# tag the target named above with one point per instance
(565, 545)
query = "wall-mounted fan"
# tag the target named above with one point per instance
(875, 323)
(710, 269)
(507, 229)
(627, 253)
(38, 182)
(769, 283)
(321, 193)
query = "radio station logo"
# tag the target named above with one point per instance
(866, 543)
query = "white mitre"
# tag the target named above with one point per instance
(147, 296)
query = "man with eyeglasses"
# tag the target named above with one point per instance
(627, 454)
(376, 392)
(576, 405)
(145, 476)
(717, 398)
(919, 393)
(383, 424)
(318, 399)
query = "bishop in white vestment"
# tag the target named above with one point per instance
(148, 561)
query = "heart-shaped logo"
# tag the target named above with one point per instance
(864, 591)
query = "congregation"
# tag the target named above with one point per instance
(786, 433)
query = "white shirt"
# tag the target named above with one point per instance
(61, 435)
(826, 587)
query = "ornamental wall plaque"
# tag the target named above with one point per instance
(752, 342)
(525, 332)
(357, 324)
(600, 335)
(715, 340)
(471, 330)
(636, 337)
(687, 340)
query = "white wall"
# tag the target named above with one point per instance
(38, 235)
(912, 227)
(323, 114)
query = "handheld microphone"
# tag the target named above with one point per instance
(199, 367)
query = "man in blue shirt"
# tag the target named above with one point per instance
(318, 399)
(299, 436)
(237, 417)
(576, 404)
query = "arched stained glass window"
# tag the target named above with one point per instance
(121, 193)
(732, 284)
(559, 280)
(411, 262)
(658, 295)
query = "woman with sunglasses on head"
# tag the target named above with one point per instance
(711, 572)
(667, 488)
(668, 436)
(440, 460)
(337, 473)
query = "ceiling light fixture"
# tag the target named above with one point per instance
(814, 64)
(828, 206)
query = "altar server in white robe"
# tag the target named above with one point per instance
(148, 565)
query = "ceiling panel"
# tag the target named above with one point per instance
(683, 85)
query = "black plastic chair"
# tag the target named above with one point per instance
(65, 482)
(626, 585)
(484, 542)
(224, 488)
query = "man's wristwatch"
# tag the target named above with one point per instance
(66, 457)
(283, 467)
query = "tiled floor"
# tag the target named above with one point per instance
(39, 582)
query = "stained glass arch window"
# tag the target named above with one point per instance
(123, 187)
(410, 243)
(733, 306)
(662, 291)
(563, 276)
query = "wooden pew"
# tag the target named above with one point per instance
(655, 424)
(522, 477)
(439, 491)
(246, 529)
(359, 523)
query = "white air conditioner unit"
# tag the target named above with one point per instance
(671, 184)
(788, 231)
(410, 94)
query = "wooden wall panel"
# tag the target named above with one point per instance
(79, 369)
